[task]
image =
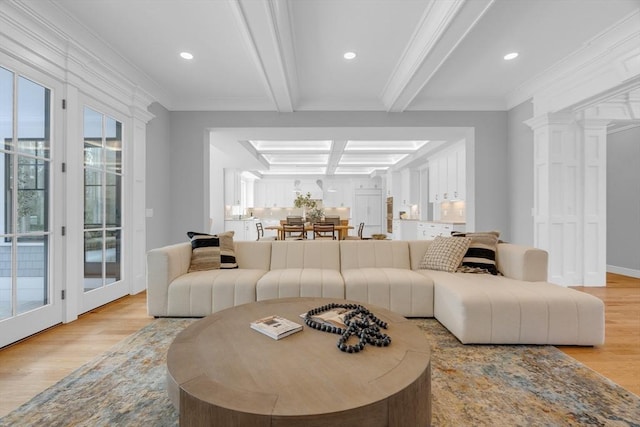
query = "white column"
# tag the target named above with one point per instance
(137, 264)
(593, 135)
(557, 195)
(569, 211)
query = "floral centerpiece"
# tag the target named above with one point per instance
(310, 208)
(315, 215)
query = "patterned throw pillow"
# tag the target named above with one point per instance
(211, 252)
(445, 253)
(481, 255)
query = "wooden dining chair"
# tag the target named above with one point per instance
(359, 236)
(261, 235)
(294, 232)
(294, 220)
(324, 231)
(333, 219)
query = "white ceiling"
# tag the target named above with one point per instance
(286, 55)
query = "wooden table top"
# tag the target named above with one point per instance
(341, 229)
(221, 361)
(308, 227)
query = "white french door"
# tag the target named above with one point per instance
(102, 234)
(30, 212)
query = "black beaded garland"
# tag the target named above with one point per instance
(359, 321)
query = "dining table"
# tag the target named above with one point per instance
(342, 230)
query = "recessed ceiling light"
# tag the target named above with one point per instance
(349, 55)
(186, 55)
(510, 56)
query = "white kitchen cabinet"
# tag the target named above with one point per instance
(456, 173)
(244, 229)
(409, 230)
(427, 230)
(397, 229)
(447, 174)
(410, 190)
(274, 194)
(462, 173)
(232, 187)
(433, 179)
(368, 209)
(443, 175)
(259, 194)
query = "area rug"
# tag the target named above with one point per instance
(472, 385)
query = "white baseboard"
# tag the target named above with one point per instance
(623, 271)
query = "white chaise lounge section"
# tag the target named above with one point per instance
(379, 273)
(486, 309)
(302, 269)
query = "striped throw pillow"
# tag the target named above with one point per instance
(481, 255)
(445, 253)
(212, 252)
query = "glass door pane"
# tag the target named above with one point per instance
(102, 200)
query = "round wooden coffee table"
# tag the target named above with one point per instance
(222, 372)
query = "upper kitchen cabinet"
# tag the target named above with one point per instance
(232, 187)
(410, 191)
(338, 194)
(447, 174)
(273, 193)
(434, 175)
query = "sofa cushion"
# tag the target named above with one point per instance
(481, 254)
(398, 289)
(374, 253)
(445, 253)
(203, 292)
(305, 254)
(211, 252)
(300, 282)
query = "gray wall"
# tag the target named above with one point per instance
(623, 199)
(520, 172)
(158, 177)
(189, 153)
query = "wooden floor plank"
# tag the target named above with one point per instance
(30, 366)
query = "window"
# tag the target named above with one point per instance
(102, 200)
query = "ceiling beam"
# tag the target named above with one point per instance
(266, 30)
(442, 27)
(337, 148)
(254, 153)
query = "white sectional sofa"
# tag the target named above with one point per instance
(519, 307)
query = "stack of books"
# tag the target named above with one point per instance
(276, 327)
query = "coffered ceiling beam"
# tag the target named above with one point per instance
(337, 148)
(266, 29)
(249, 147)
(442, 27)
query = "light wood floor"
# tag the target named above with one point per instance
(36, 363)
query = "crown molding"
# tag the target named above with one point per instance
(622, 128)
(43, 36)
(459, 104)
(607, 60)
